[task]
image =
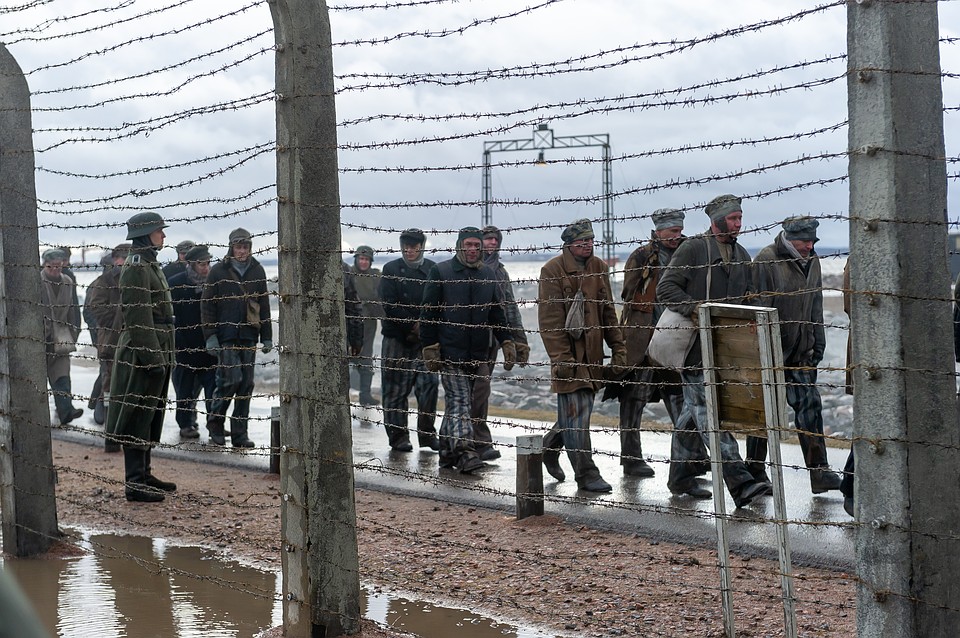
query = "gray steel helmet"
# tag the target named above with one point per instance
(143, 224)
(363, 251)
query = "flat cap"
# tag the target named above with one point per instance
(579, 229)
(667, 218)
(800, 228)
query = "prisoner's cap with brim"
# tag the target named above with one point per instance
(721, 206)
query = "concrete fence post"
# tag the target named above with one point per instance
(321, 584)
(529, 476)
(906, 434)
(27, 495)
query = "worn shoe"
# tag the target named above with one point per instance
(594, 484)
(694, 491)
(367, 401)
(551, 461)
(215, 428)
(490, 454)
(403, 446)
(243, 442)
(99, 412)
(639, 468)
(189, 433)
(750, 492)
(143, 493)
(430, 441)
(75, 413)
(468, 462)
(823, 480)
(166, 486)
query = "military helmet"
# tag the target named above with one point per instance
(143, 224)
(413, 236)
(364, 251)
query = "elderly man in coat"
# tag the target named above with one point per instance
(649, 383)
(61, 327)
(144, 359)
(709, 266)
(787, 276)
(576, 316)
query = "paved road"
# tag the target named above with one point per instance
(820, 532)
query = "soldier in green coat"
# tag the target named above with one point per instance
(144, 359)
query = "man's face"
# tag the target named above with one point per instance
(803, 246)
(119, 259)
(363, 263)
(582, 248)
(241, 251)
(202, 268)
(182, 256)
(471, 249)
(411, 252)
(728, 228)
(670, 237)
(157, 237)
(490, 245)
(52, 269)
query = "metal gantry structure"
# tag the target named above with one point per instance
(542, 139)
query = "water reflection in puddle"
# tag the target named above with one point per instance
(133, 587)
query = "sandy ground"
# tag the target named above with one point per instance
(541, 571)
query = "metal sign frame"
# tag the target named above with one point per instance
(768, 374)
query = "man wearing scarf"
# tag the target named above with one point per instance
(492, 239)
(682, 288)
(61, 327)
(462, 308)
(143, 360)
(196, 369)
(577, 279)
(401, 368)
(235, 310)
(788, 272)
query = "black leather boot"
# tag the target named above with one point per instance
(215, 428)
(153, 481)
(135, 466)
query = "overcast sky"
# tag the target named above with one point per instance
(581, 66)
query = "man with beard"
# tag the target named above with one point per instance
(462, 306)
(576, 317)
(787, 276)
(401, 368)
(235, 311)
(196, 368)
(103, 302)
(649, 383)
(709, 266)
(366, 281)
(61, 327)
(492, 238)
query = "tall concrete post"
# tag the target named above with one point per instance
(907, 455)
(321, 582)
(27, 497)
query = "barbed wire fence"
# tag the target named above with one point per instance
(171, 109)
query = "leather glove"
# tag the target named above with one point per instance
(509, 354)
(523, 354)
(267, 347)
(431, 358)
(213, 345)
(564, 370)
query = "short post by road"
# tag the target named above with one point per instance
(529, 476)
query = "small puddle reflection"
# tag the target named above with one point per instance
(133, 587)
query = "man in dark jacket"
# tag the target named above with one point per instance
(196, 368)
(366, 279)
(235, 310)
(709, 266)
(788, 271)
(401, 369)
(650, 383)
(492, 239)
(462, 304)
(178, 266)
(103, 303)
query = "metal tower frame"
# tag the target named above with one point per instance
(543, 138)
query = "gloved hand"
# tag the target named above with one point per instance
(213, 345)
(431, 358)
(523, 354)
(618, 362)
(267, 347)
(564, 370)
(509, 355)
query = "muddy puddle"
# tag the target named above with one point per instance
(138, 587)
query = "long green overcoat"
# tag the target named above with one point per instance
(145, 353)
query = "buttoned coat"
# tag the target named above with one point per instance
(795, 289)
(560, 279)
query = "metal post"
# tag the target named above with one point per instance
(529, 476)
(487, 191)
(609, 233)
(905, 417)
(321, 584)
(275, 440)
(27, 494)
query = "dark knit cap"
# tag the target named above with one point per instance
(492, 231)
(467, 232)
(200, 252)
(800, 228)
(721, 206)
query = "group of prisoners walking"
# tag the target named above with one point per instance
(444, 324)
